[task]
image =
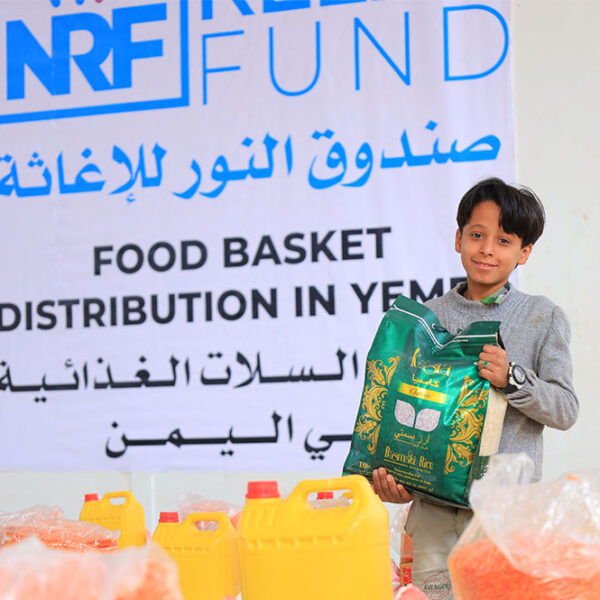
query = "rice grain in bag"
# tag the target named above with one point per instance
(425, 414)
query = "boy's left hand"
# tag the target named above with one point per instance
(493, 366)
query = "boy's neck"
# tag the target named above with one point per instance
(479, 293)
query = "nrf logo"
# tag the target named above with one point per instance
(72, 58)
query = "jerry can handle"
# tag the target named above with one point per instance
(126, 494)
(220, 517)
(357, 484)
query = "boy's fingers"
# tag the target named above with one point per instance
(379, 483)
(404, 493)
(397, 492)
(493, 352)
(376, 484)
(490, 349)
(387, 489)
(490, 360)
(490, 357)
(391, 487)
(387, 485)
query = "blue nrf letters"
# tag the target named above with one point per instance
(54, 69)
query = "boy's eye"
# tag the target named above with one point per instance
(504, 241)
(476, 235)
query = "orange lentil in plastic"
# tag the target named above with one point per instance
(87, 576)
(62, 533)
(480, 571)
(159, 583)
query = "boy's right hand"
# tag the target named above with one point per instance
(387, 489)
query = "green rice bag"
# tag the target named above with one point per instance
(425, 413)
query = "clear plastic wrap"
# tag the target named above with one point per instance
(400, 541)
(189, 502)
(396, 576)
(529, 541)
(401, 544)
(30, 570)
(52, 529)
(409, 592)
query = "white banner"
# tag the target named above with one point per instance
(208, 205)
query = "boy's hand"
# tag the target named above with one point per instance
(387, 489)
(493, 366)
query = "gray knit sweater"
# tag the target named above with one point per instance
(536, 335)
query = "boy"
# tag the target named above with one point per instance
(497, 227)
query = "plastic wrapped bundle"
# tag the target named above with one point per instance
(50, 527)
(143, 573)
(537, 541)
(188, 503)
(30, 570)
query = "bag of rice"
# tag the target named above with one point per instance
(425, 414)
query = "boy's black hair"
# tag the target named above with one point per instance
(521, 211)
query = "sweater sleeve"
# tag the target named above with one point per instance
(548, 395)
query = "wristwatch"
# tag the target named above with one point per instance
(516, 378)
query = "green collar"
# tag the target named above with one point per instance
(495, 298)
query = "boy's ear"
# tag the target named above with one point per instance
(458, 240)
(525, 253)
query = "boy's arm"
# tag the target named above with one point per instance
(548, 395)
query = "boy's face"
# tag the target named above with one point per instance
(487, 252)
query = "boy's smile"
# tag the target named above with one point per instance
(487, 252)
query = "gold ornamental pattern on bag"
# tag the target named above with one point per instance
(379, 376)
(466, 426)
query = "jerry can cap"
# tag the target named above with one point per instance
(90, 497)
(324, 495)
(262, 489)
(168, 517)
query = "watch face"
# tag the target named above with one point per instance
(518, 375)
